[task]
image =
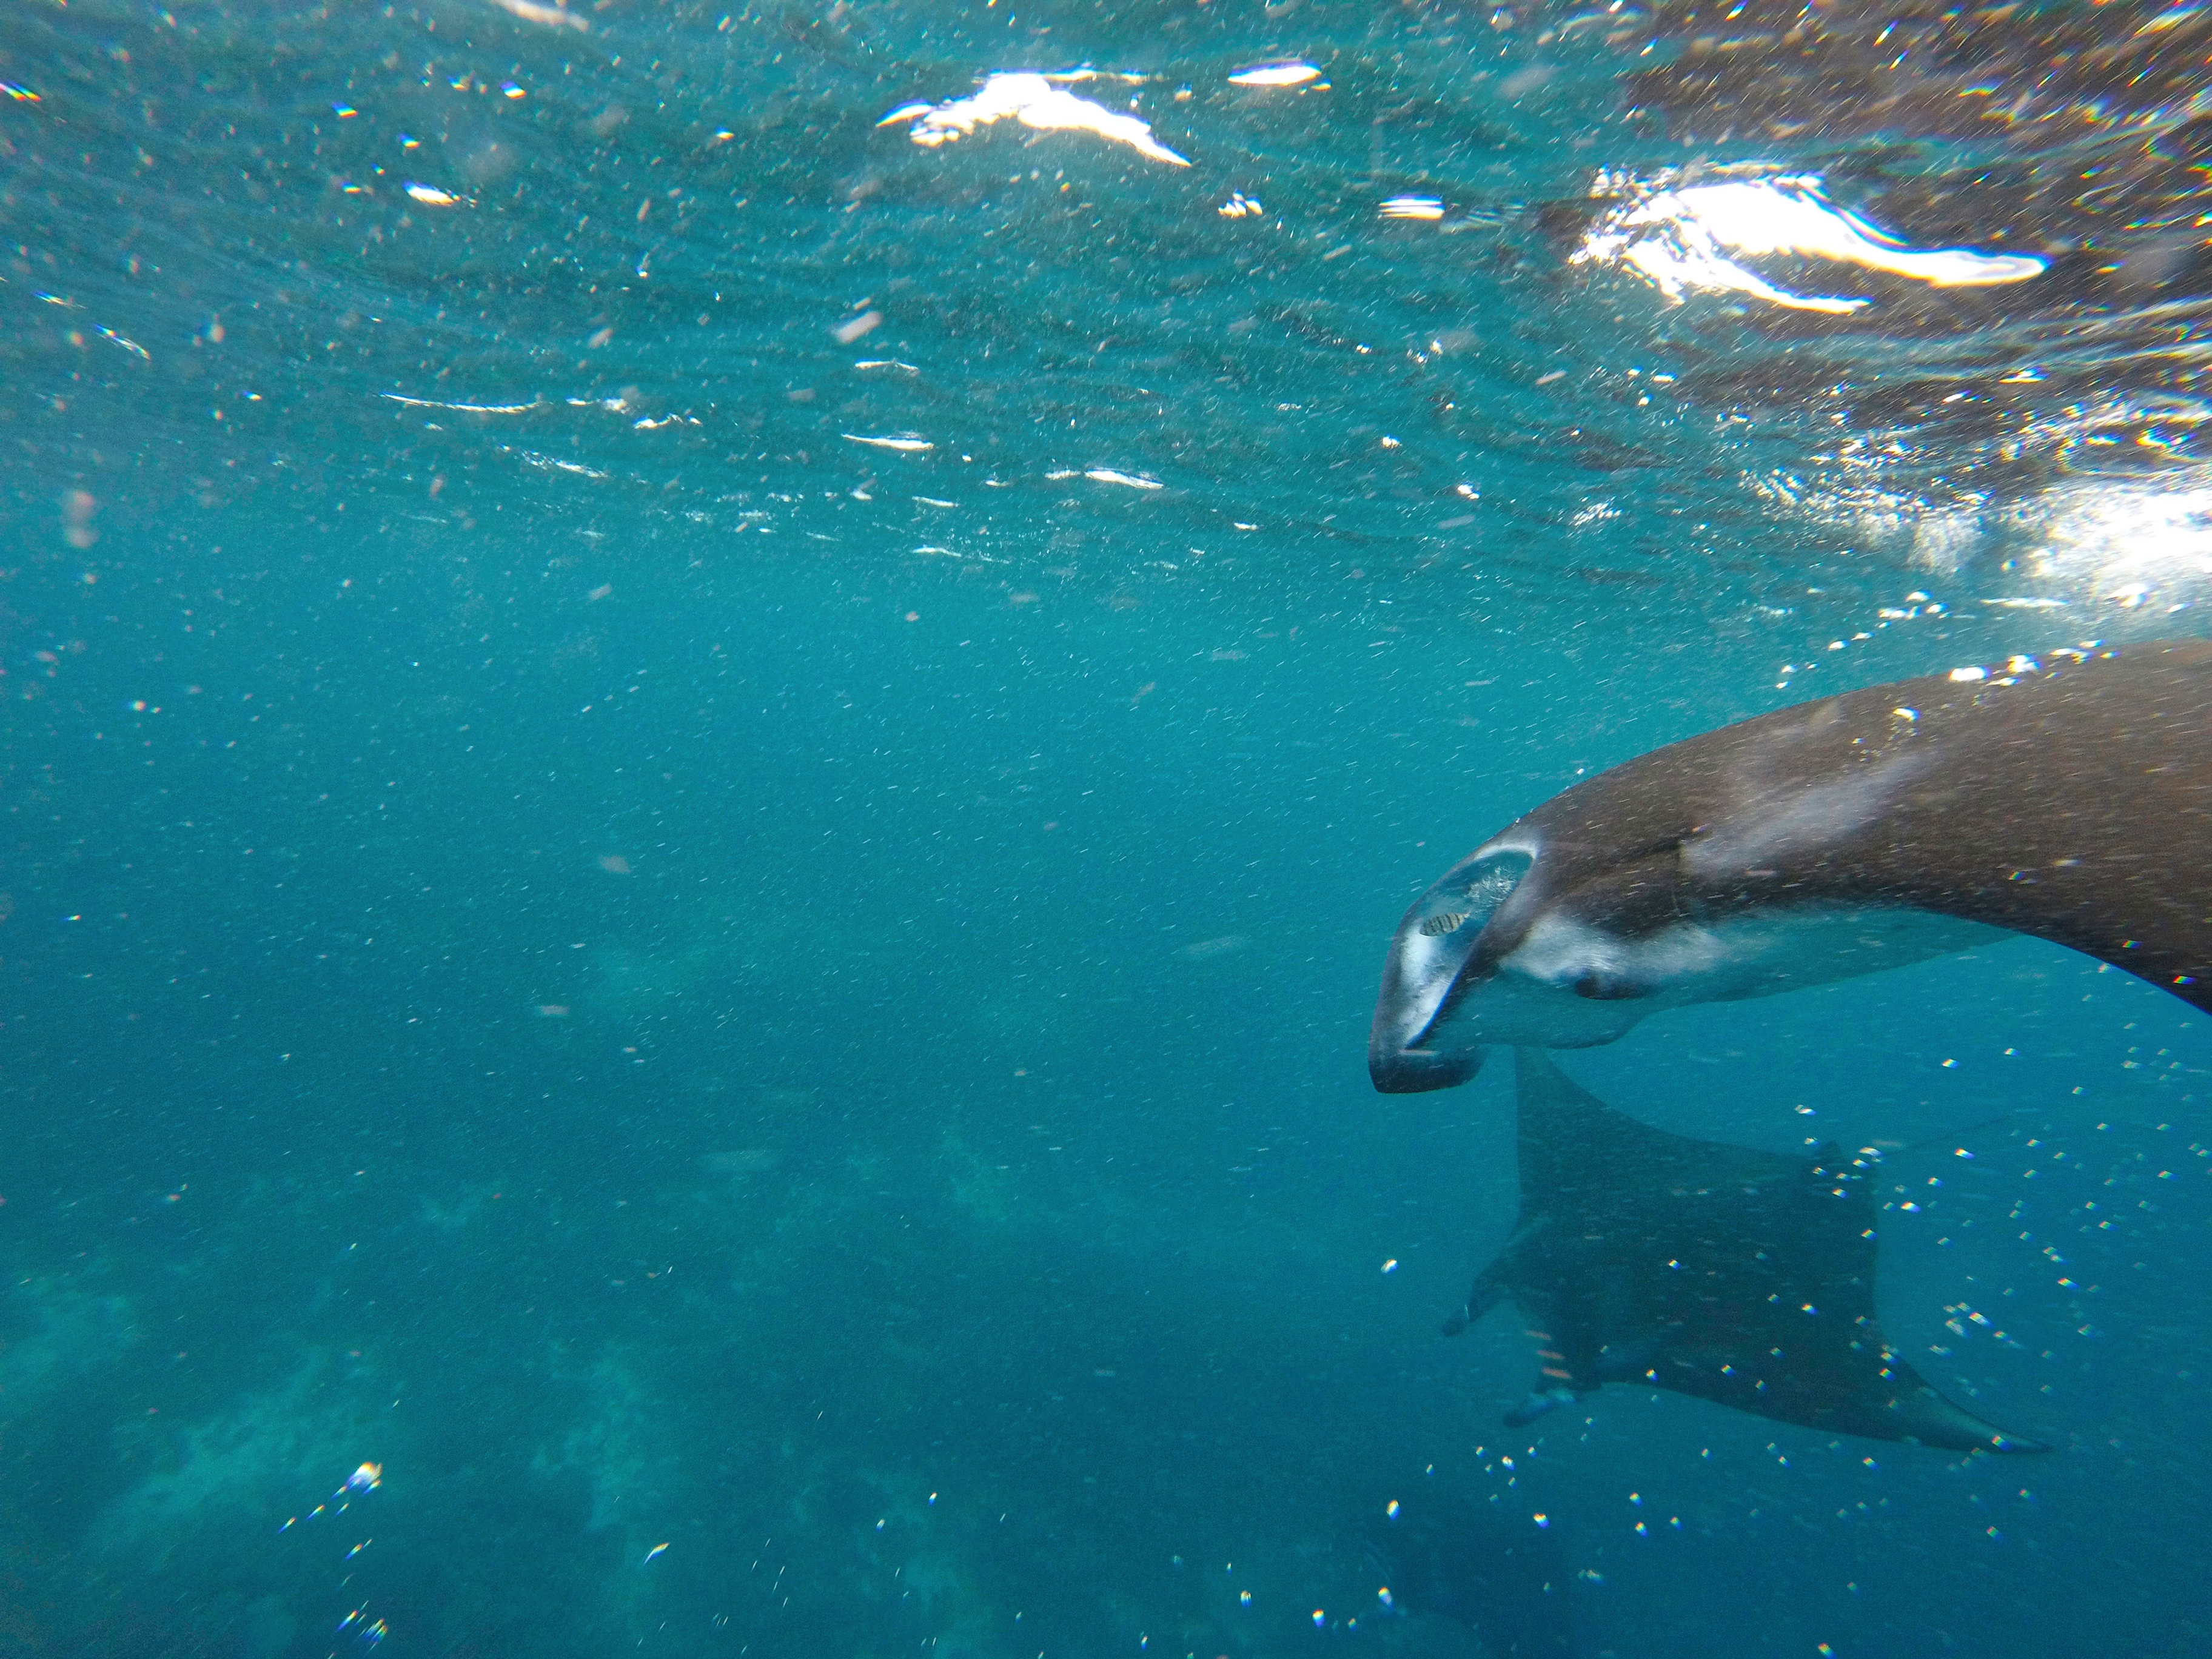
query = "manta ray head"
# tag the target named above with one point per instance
(1568, 943)
(1488, 955)
(1551, 946)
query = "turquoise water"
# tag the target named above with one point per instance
(702, 804)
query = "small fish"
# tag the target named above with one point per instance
(1437, 926)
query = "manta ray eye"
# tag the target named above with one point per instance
(1606, 988)
(1437, 926)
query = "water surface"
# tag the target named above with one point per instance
(702, 801)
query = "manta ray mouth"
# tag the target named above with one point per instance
(1430, 955)
(1417, 1070)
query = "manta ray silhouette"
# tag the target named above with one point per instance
(1739, 1276)
(1451, 1556)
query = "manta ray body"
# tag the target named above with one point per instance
(2068, 797)
(1740, 1276)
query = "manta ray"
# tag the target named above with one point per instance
(2068, 797)
(1450, 1556)
(1739, 1276)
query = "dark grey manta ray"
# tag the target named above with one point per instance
(2070, 799)
(1741, 1277)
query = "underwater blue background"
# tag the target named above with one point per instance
(665, 976)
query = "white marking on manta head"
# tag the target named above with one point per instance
(1427, 966)
(1427, 955)
(1534, 999)
(1565, 950)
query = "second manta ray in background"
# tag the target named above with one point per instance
(2071, 799)
(1741, 1277)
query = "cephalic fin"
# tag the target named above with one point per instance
(1489, 1283)
(1539, 1401)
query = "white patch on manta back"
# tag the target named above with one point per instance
(1779, 821)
